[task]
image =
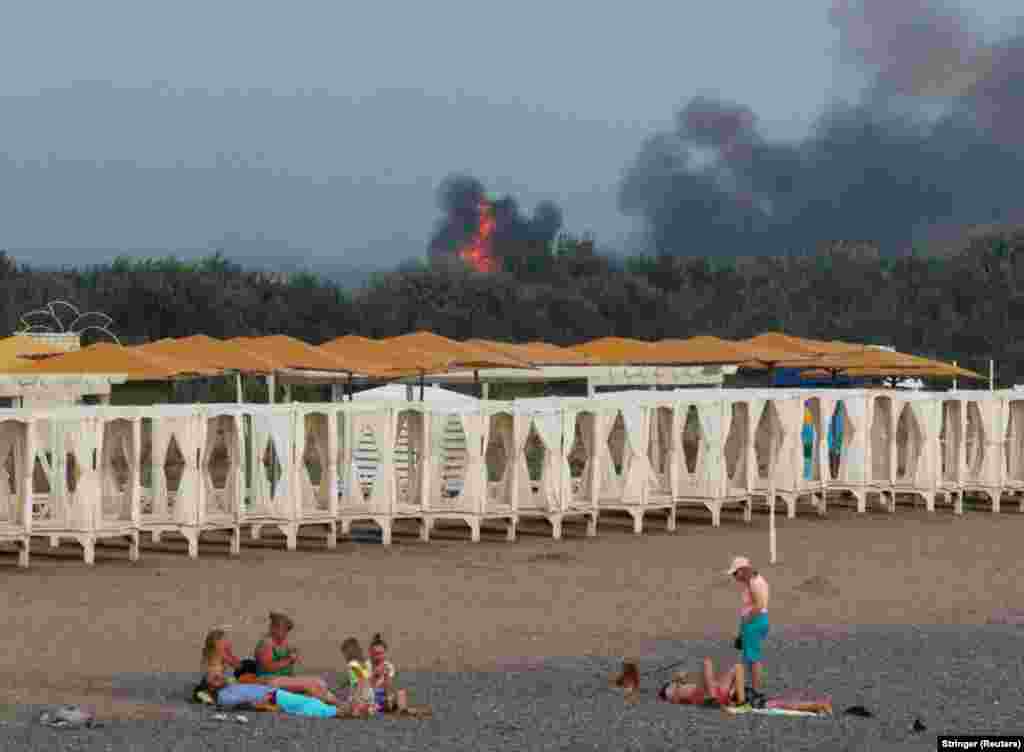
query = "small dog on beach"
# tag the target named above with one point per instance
(629, 681)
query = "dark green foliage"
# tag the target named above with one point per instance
(965, 307)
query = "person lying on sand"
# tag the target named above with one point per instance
(699, 689)
(219, 687)
(276, 661)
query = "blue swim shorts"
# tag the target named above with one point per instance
(753, 633)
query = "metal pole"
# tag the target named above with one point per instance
(991, 374)
(239, 394)
(485, 390)
(421, 387)
(955, 365)
(271, 388)
(772, 549)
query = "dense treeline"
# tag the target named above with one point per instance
(960, 307)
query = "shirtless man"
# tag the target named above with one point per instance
(753, 618)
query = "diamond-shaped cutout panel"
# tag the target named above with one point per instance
(579, 452)
(908, 443)
(174, 465)
(497, 454)
(312, 455)
(219, 464)
(406, 456)
(975, 439)
(272, 469)
(71, 472)
(693, 436)
(880, 437)
(840, 434)
(535, 452)
(119, 465)
(617, 443)
(660, 443)
(453, 468)
(40, 481)
(768, 438)
(367, 461)
(736, 443)
(11, 471)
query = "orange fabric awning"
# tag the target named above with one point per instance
(296, 354)
(15, 350)
(106, 358)
(212, 352)
(457, 354)
(388, 357)
(872, 361)
(536, 353)
(618, 351)
(704, 350)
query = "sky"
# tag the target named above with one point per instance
(323, 129)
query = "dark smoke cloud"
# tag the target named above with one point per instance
(890, 168)
(515, 234)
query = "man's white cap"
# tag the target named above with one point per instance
(738, 563)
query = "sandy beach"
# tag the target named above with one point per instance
(450, 605)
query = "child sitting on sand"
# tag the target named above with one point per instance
(382, 677)
(361, 694)
(698, 689)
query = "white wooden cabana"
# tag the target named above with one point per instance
(1013, 409)
(412, 467)
(951, 451)
(273, 491)
(367, 493)
(456, 467)
(777, 462)
(79, 492)
(623, 458)
(984, 438)
(315, 479)
(543, 485)
(918, 425)
(500, 457)
(848, 436)
(714, 462)
(17, 453)
(881, 450)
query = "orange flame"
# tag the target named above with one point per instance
(477, 253)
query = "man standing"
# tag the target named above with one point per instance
(753, 619)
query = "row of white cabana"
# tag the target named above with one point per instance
(90, 473)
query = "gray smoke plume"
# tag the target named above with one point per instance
(936, 141)
(515, 233)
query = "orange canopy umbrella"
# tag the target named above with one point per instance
(457, 354)
(536, 353)
(618, 351)
(15, 349)
(216, 353)
(294, 353)
(393, 358)
(107, 358)
(705, 350)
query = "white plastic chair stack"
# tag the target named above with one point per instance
(984, 446)
(847, 442)
(499, 458)
(369, 490)
(951, 451)
(69, 442)
(169, 502)
(882, 450)
(316, 503)
(918, 425)
(272, 497)
(457, 470)
(17, 453)
(1013, 409)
